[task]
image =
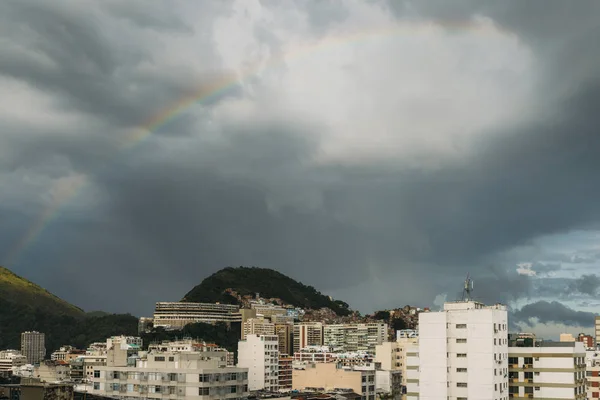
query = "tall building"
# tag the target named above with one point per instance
(199, 374)
(33, 346)
(592, 372)
(285, 333)
(260, 355)
(285, 372)
(463, 352)
(392, 356)
(257, 326)
(176, 315)
(307, 334)
(597, 328)
(552, 370)
(355, 337)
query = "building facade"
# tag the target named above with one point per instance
(171, 374)
(285, 333)
(260, 356)
(257, 326)
(592, 373)
(321, 377)
(33, 346)
(554, 370)
(307, 334)
(355, 337)
(463, 352)
(285, 373)
(176, 315)
(10, 360)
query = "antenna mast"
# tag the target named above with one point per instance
(468, 289)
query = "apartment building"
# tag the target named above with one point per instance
(322, 377)
(66, 353)
(52, 371)
(285, 373)
(268, 310)
(176, 315)
(392, 355)
(10, 359)
(167, 374)
(463, 352)
(552, 370)
(257, 326)
(587, 340)
(597, 328)
(592, 373)
(411, 378)
(33, 346)
(145, 324)
(307, 334)
(260, 356)
(82, 367)
(285, 333)
(355, 337)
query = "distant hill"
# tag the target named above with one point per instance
(268, 283)
(25, 306)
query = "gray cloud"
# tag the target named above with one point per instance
(586, 284)
(552, 312)
(209, 190)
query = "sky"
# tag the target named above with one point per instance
(378, 151)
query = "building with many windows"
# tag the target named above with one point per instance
(321, 377)
(176, 315)
(10, 360)
(201, 374)
(260, 355)
(463, 352)
(552, 370)
(257, 326)
(285, 333)
(355, 337)
(592, 372)
(307, 334)
(33, 346)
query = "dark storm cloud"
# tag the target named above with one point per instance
(169, 219)
(586, 284)
(552, 312)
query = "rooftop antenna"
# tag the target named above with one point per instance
(468, 289)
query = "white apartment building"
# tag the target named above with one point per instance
(260, 355)
(597, 328)
(553, 370)
(33, 346)
(176, 315)
(11, 360)
(257, 326)
(268, 310)
(307, 334)
(172, 374)
(463, 352)
(393, 355)
(411, 378)
(592, 373)
(355, 337)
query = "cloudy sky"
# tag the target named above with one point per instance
(376, 150)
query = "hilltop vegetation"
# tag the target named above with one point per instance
(269, 283)
(25, 306)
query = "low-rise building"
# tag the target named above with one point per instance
(388, 384)
(159, 374)
(11, 360)
(330, 376)
(53, 371)
(260, 355)
(66, 353)
(552, 370)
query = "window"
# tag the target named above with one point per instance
(528, 389)
(461, 384)
(495, 387)
(159, 358)
(537, 388)
(494, 341)
(203, 391)
(461, 355)
(461, 370)
(461, 398)
(171, 358)
(513, 360)
(96, 373)
(461, 326)
(461, 340)
(204, 377)
(96, 385)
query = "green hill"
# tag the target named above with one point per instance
(25, 306)
(269, 283)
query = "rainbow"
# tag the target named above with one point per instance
(224, 85)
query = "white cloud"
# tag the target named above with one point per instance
(526, 269)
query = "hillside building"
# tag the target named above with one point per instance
(257, 326)
(307, 334)
(355, 337)
(176, 315)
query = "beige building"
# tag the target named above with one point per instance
(285, 333)
(33, 346)
(158, 375)
(257, 326)
(10, 359)
(328, 377)
(307, 334)
(268, 310)
(285, 373)
(355, 337)
(566, 337)
(52, 371)
(597, 328)
(554, 370)
(33, 389)
(176, 315)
